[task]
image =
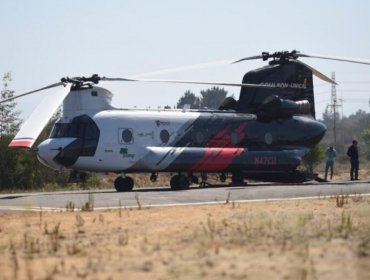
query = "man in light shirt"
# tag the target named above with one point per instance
(330, 158)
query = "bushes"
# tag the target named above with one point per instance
(314, 157)
(20, 169)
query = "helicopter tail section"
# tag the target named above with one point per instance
(294, 82)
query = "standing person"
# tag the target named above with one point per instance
(353, 154)
(331, 153)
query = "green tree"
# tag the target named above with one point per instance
(348, 128)
(20, 168)
(189, 98)
(212, 98)
(314, 157)
(9, 117)
(9, 162)
(9, 123)
(366, 138)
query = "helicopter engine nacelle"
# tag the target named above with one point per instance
(275, 107)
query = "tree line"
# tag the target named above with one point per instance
(19, 168)
(208, 99)
(353, 127)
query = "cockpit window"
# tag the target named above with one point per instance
(91, 131)
(80, 127)
(67, 130)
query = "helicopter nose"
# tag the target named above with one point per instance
(49, 149)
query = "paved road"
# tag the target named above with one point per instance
(152, 197)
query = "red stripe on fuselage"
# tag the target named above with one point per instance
(221, 139)
(240, 131)
(216, 159)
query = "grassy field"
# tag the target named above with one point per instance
(317, 239)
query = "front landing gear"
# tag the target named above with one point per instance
(180, 182)
(124, 184)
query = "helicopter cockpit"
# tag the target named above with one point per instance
(80, 127)
(70, 140)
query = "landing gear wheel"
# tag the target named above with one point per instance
(179, 182)
(154, 177)
(124, 184)
(203, 183)
(237, 179)
(223, 177)
(193, 179)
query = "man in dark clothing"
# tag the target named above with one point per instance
(353, 154)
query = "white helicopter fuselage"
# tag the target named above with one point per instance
(126, 137)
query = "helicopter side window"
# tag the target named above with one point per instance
(164, 135)
(127, 136)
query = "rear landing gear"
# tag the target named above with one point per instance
(154, 177)
(180, 182)
(203, 183)
(223, 178)
(124, 184)
(237, 178)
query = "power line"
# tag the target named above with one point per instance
(333, 106)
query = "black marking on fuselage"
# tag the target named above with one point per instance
(296, 131)
(163, 158)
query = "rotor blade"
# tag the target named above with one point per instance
(39, 118)
(118, 79)
(185, 68)
(353, 60)
(209, 83)
(248, 58)
(190, 82)
(30, 92)
(317, 73)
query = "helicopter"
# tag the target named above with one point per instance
(261, 136)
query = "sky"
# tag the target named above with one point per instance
(45, 40)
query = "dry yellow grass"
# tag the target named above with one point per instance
(282, 240)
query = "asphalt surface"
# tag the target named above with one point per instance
(154, 197)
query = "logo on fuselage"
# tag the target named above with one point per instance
(287, 85)
(125, 153)
(159, 123)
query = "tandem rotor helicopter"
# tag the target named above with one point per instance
(261, 136)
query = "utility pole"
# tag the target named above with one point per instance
(334, 105)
